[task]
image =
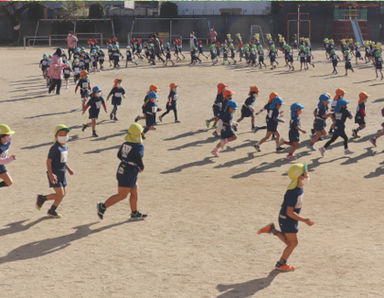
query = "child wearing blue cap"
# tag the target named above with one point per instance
(341, 115)
(321, 115)
(95, 102)
(227, 133)
(273, 119)
(67, 73)
(150, 110)
(44, 65)
(5, 142)
(294, 129)
(289, 215)
(131, 154)
(56, 170)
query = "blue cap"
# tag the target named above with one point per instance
(96, 89)
(152, 95)
(324, 97)
(45, 56)
(232, 104)
(295, 107)
(341, 103)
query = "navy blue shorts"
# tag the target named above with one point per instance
(76, 77)
(168, 56)
(116, 101)
(245, 112)
(359, 120)
(288, 225)
(66, 76)
(272, 127)
(334, 63)
(227, 132)
(61, 180)
(319, 125)
(348, 65)
(302, 60)
(3, 169)
(216, 110)
(126, 176)
(150, 120)
(94, 114)
(84, 93)
(294, 136)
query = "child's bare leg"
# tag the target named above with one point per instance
(267, 136)
(133, 199)
(294, 146)
(292, 243)
(57, 196)
(277, 135)
(6, 178)
(93, 123)
(121, 195)
(253, 121)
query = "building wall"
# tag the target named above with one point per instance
(213, 7)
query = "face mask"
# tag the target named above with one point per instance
(62, 139)
(306, 180)
(118, 85)
(8, 139)
(98, 94)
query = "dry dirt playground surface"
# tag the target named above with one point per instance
(200, 237)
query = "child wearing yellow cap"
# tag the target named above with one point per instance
(289, 215)
(131, 155)
(5, 142)
(56, 170)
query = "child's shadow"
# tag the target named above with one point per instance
(248, 288)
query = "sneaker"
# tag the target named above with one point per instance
(215, 134)
(278, 149)
(40, 201)
(234, 127)
(160, 119)
(215, 153)
(322, 151)
(137, 215)
(111, 116)
(84, 127)
(100, 210)
(257, 147)
(177, 121)
(285, 268)
(311, 147)
(266, 229)
(137, 118)
(94, 134)
(256, 129)
(115, 118)
(291, 157)
(354, 133)
(281, 142)
(347, 152)
(207, 123)
(373, 141)
(53, 213)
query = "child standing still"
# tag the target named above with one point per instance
(95, 102)
(5, 142)
(117, 94)
(171, 104)
(56, 170)
(289, 215)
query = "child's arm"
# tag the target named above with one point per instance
(4, 161)
(257, 113)
(70, 171)
(109, 95)
(105, 107)
(77, 86)
(85, 108)
(292, 214)
(52, 177)
(299, 129)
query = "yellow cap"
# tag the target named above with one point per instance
(294, 173)
(61, 127)
(5, 130)
(134, 133)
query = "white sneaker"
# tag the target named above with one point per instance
(322, 151)
(311, 147)
(347, 151)
(215, 153)
(291, 157)
(281, 142)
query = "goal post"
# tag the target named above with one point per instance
(169, 28)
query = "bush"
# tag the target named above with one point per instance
(168, 10)
(96, 11)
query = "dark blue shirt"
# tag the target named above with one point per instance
(292, 198)
(4, 150)
(95, 103)
(250, 101)
(341, 117)
(294, 123)
(59, 155)
(132, 153)
(226, 117)
(117, 92)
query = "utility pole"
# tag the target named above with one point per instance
(298, 24)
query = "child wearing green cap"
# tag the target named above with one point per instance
(378, 64)
(5, 142)
(289, 215)
(56, 170)
(131, 155)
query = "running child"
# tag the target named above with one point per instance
(131, 154)
(94, 103)
(260, 52)
(212, 51)
(200, 49)
(216, 107)
(341, 115)
(380, 133)
(378, 62)
(5, 142)
(273, 119)
(101, 57)
(357, 52)
(129, 56)
(302, 56)
(44, 65)
(225, 54)
(85, 86)
(94, 60)
(334, 59)
(56, 169)
(348, 63)
(227, 134)
(152, 88)
(289, 215)
(247, 109)
(67, 73)
(272, 56)
(117, 94)
(150, 110)
(339, 95)
(321, 115)
(233, 54)
(267, 108)
(360, 114)
(309, 56)
(294, 129)
(168, 55)
(171, 104)
(76, 70)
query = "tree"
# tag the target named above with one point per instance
(14, 10)
(168, 10)
(96, 11)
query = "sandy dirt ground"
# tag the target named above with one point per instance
(200, 237)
